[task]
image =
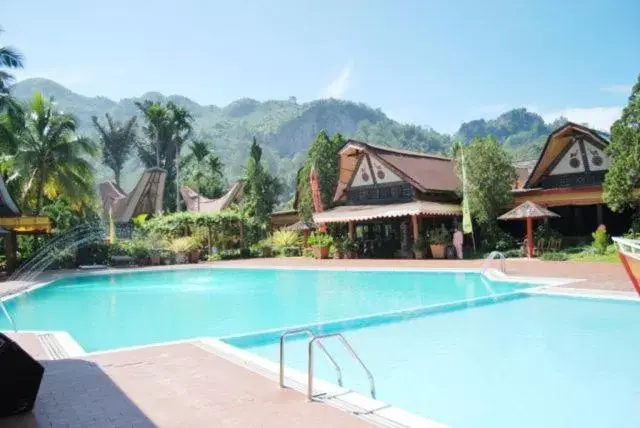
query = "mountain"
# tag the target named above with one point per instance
(286, 128)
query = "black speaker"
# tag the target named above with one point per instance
(20, 377)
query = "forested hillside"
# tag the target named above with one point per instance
(286, 128)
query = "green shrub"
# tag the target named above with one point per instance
(285, 238)
(600, 240)
(185, 244)
(514, 252)
(291, 252)
(319, 239)
(308, 252)
(439, 235)
(558, 257)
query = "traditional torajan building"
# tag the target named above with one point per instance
(567, 178)
(195, 202)
(388, 197)
(14, 222)
(145, 198)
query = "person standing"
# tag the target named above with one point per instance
(458, 238)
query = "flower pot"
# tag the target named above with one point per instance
(321, 252)
(182, 258)
(438, 250)
(337, 255)
(194, 256)
(419, 255)
(155, 259)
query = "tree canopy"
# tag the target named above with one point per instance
(490, 176)
(623, 176)
(117, 140)
(261, 189)
(323, 155)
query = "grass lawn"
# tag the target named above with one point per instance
(587, 254)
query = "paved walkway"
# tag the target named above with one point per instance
(600, 276)
(177, 385)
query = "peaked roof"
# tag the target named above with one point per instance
(8, 207)
(426, 172)
(145, 198)
(207, 205)
(527, 209)
(556, 141)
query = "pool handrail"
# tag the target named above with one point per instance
(309, 333)
(345, 343)
(491, 257)
(6, 313)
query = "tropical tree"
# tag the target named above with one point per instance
(623, 176)
(199, 152)
(323, 156)
(261, 189)
(9, 58)
(490, 176)
(51, 158)
(117, 139)
(167, 127)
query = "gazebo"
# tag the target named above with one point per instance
(528, 211)
(14, 222)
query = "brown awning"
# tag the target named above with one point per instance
(369, 212)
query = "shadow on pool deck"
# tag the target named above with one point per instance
(79, 393)
(171, 385)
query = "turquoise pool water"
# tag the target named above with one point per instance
(530, 362)
(111, 311)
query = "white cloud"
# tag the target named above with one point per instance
(617, 89)
(597, 117)
(339, 86)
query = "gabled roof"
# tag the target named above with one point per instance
(556, 142)
(8, 207)
(145, 198)
(426, 172)
(190, 197)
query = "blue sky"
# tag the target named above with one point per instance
(435, 63)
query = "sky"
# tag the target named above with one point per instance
(432, 63)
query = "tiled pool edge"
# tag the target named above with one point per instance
(271, 335)
(357, 404)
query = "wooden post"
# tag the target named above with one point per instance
(529, 237)
(11, 250)
(352, 230)
(416, 228)
(600, 215)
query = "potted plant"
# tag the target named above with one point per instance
(438, 238)
(338, 248)
(419, 248)
(320, 242)
(350, 248)
(183, 247)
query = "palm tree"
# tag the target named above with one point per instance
(116, 140)
(199, 152)
(181, 131)
(51, 158)
(167, 128)
(9, 58)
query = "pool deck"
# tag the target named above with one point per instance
(184, 384)
(170, 385)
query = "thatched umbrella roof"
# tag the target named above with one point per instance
(300, 226)
(527, 209)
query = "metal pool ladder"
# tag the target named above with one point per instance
(317, 340)
(320, 345)
(491, 257)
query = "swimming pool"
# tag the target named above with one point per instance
(454, 347)
(125, 309)
(535, 361)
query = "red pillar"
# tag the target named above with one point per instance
(416, 229)
(529, 237)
